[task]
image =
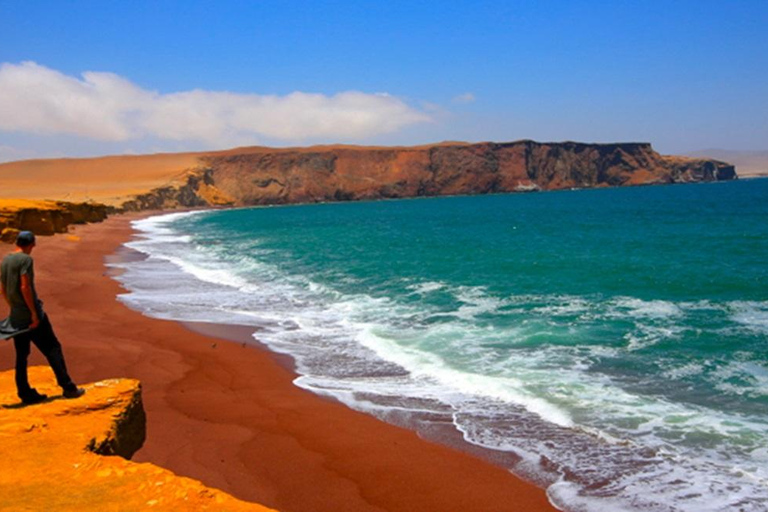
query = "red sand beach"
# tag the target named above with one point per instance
(228, 414)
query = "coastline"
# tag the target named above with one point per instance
(228, 414)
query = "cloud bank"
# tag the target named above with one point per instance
(107, 107)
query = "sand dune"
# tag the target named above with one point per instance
(103, 180)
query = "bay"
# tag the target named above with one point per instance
(615, 339)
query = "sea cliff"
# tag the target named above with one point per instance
(252, 176)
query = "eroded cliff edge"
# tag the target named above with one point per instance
(252, 176)
(46, 217)
(71, 455)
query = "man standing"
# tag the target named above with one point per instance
(28, 323)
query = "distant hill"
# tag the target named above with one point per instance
(748, 163)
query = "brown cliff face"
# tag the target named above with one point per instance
(278, 176)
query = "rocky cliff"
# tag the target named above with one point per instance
(70, 455)
(252, 176)
(46, 217)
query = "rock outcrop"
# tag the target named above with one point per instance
(251, 176)
(197, 190)
(46, 217)
(70, 455)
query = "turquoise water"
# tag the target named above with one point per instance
(615, 339)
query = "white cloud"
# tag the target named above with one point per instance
(467, 97)
(105, 106)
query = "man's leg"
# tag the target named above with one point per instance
(44, 339)
(28, 394)
(21, 344)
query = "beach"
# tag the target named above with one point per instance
(228, 414)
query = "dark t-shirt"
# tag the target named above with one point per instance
(12, 268)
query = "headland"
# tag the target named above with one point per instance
(259, 175)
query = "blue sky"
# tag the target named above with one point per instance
(88, 78)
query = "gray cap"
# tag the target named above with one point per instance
(25, 238)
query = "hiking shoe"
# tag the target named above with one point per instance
(33, 397)
(73, 393)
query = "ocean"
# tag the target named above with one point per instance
(614, 340)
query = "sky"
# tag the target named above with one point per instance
(89, 78)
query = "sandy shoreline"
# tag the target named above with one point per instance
(227, 413)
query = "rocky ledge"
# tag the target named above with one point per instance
(46, 217)
(67, 455)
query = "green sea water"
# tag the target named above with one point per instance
(627, 326)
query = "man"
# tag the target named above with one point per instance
(28, 323)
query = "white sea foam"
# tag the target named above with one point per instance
(426, 287)
(565, 306)
(644, 308)
(154, 225)
(686, 370)
(429, 366)
(752, 314)
(742, 378)
(475, 301)
(648, 335)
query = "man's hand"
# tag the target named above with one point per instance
(35, 320)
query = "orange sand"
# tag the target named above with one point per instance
(104, 180)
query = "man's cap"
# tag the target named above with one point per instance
(25, 238)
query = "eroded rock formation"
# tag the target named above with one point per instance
(46, 217)
(338, 173)
(67, 455)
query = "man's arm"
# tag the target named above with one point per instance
(29, 300)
